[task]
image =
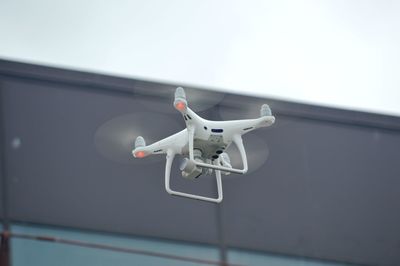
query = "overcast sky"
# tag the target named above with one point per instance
(334, 53)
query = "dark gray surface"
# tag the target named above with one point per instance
(1, 193)
(329, 189)
(2, 155)
(58, 177)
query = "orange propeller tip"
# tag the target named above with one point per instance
(180, 106)
(140, 154)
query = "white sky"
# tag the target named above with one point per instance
(337, 53)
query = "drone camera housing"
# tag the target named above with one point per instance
(189, 169)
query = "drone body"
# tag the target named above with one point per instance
(204, 142)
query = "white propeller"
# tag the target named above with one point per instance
(139, 142)
(115, 138)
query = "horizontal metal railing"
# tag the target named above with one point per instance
(6, 235)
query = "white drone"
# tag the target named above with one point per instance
(205, 142)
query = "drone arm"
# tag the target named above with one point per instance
(247, 125)
(175, 142)
(168, 166)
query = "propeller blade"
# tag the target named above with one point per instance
(180, 93)
(115, 138)
(233, 110)
(161, 97)
(256, 150)
(265, 110)
(139, 142)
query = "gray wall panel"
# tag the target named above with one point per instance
(2, 155)
(58, 177)
(329, 188)
(327, 191)
(1, 194)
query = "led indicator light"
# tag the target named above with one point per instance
(180, 106)
(139, 154)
